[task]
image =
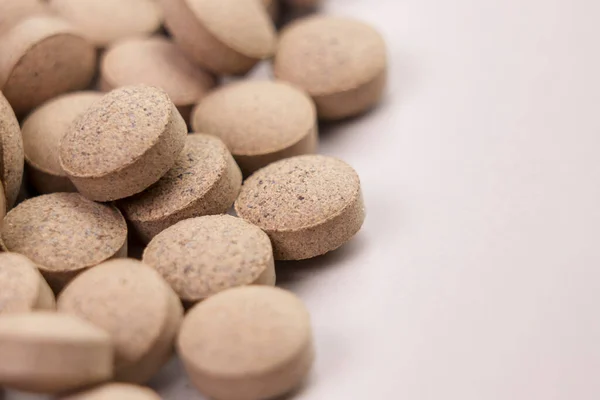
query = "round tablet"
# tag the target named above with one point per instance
(204, 181)
(43, 57)
(223, 36)
(115, 391)
(260, 121)
(202, 256)
(340, 62)
(11, 152)
(105, 21)
(22, 287)
(158, 62)
(13, 11)
(64, 234)
(134, 304)
(247, 343)
(52, 352)
(42, 132)
(308, 205)
(123, 144)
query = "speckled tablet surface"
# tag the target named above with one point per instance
(340, 62)
(308, 205)
(205, 180)
(42, 132)
(64, 234)
(252, 342)
(115, 391)
(11, 154)
(156, 61)
(126, 142)
(105, 21)
(28, 77)
(260, 121)
(205, 255)
(134, 304)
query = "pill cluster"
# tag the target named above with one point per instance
(116, 120)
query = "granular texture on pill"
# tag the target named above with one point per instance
(11, 152)
(247, 343)
(123, 144)
(156, 61)
(52, 352)
(115, 391)
(105, 21)
(205, 180)
(340, 62)
(43, 57)
(134, 304)
(308, 205)
(13, 11)
(223, 36)
(260, 121)
(22, 287)
(202, 256)
(64, 234)
(42, 132)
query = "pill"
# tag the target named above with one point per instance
(272, 8)
(13, 11)
(205, 255)
(247, 343)
(115, 391)
(123, 144)
(260, 121)
(134, 304)
(43, 57)
(42, 132)
(340, 62)
(11, 152)
(205, 180)
(308, 205)
(22, 287)
(2, 205)
(157, 62)
(223, 36)
(64, 234)
(52, 352)
(105, 21)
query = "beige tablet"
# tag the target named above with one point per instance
(11, 152)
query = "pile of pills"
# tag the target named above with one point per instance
(117, 128)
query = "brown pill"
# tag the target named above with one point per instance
(42, 58)
(259, 121)
(11, 152)
(223, 36)
(105, 21)
(42, 132)
(203, 256)
(205, 180)
(347, 60)
(157, 62)
(115, 391)
(64, 234)
(52, 352)
(123, 144)
(247, 343)
(133, 303)
(22, 287)
(308, 205)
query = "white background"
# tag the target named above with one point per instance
(476, 275)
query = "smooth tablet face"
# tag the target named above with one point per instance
(116, 132)
(202, 256)
(255, 117)
(327, 55)
(158, 62)
(64, 231)
(50, 326)
(247, 331)
(11, 155)
(105, 21)
(44, 128)
(20, 284)
(115, 391)
(124, 297)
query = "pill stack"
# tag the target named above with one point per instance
(115, 117)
